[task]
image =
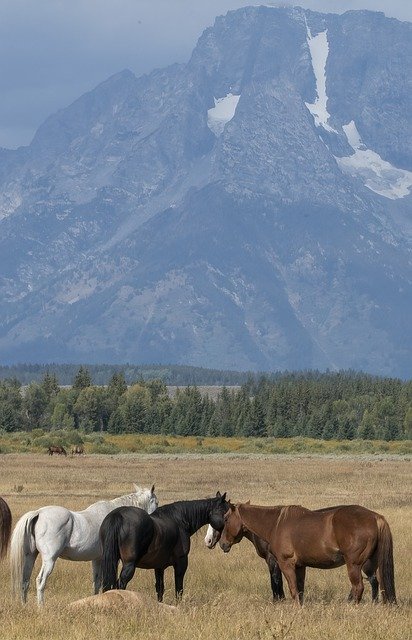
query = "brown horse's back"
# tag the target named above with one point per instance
(326, 538)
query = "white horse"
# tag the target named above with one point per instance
(55, 532)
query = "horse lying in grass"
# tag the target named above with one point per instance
(325, 539)
(56, 532)
(155, 541)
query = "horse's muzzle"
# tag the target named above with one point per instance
(225, 546)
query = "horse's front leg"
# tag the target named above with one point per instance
(276, 581)
(160, 585)
(288, 569)
(300, 582)
(180, 568)
(97, 575)
(126, 574)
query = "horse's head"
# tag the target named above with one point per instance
(147, 498)
(212, 537)
(233, 529)
(153, 501)
(219, 507)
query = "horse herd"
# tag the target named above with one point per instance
(134, 529)
(77, 449)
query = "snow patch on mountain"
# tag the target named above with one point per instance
(377, 174)
(97, 130)
(223, 111)
(319, 51)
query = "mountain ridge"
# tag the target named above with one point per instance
(140, 234)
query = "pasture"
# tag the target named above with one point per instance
(226, 596)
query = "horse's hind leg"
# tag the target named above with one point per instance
(126, 574)
(355, 577)
(29, 560)
(46, 569)
(369, 569)
(97, 575)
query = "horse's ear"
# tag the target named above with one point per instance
(223, 498)
(136, 488)
(218, 494)
(248, 502)
(152, 489)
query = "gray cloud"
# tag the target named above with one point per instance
(53, 51)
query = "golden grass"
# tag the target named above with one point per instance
(226, 596)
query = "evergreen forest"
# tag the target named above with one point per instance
(343, 405)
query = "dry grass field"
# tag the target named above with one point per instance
(226, 596)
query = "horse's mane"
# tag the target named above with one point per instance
(140, 498)
(189, 512)
(290, 509)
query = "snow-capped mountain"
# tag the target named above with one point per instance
(250, 209)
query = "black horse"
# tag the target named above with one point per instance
(155, 541)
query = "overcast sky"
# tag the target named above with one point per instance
(52, 51)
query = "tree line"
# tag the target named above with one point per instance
(181, 375)
(345, 406)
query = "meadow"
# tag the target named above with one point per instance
(226, 596)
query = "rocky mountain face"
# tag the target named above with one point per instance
(250, 209)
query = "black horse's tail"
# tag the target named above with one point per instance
(109, 536)
(385, 562)
(5, 527)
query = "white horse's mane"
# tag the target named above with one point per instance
(139, 498)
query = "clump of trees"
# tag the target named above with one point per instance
(344, 405)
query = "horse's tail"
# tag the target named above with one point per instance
(5, 527)
(385, 561)
(22, 543)
(109, 536)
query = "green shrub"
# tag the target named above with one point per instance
(107, 448)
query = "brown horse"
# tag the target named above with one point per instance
(77, 449)
(5, 527)
(300, 538)
(55, 448)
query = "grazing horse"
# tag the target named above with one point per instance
(77, 449)
(325, 539)
(55, 448)
(262, 549)
(5, 527)
(155, 541)
(56, 532)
